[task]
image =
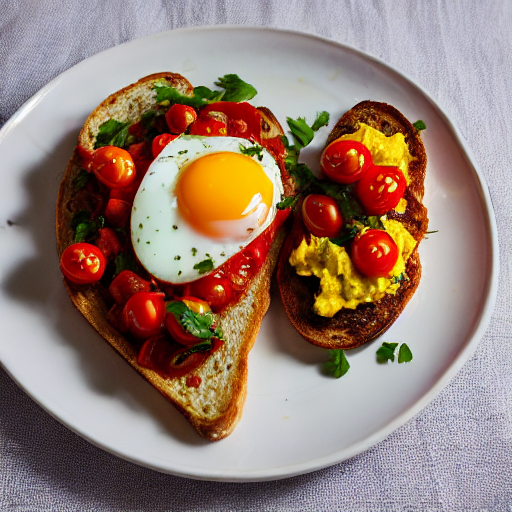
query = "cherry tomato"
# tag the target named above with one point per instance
(176, 330)
(208, 126)
(321, 215)
(179, 118)
(83, 263)
(113, 166)
(214, 289)
(144, 314)
(345, 161)
(374, 253)
(126, 284)
(381, 188)
(117, 212)
(159, 143)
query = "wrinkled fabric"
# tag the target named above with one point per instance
(456, 454)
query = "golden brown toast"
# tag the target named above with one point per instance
(215, 407)
(351, 328)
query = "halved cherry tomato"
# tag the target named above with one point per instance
(322, 215)
(179, 118)
(214, 289)
(159, 143)
(345, 161)
(113, 166)
(374, 253)
(83, 263)
(144, 314)
(208, 126)
(381, 188)
(176, 330)
(117, 212)
(126, 284)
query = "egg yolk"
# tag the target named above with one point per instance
(224, 195)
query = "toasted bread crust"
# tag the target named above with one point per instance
(215, 408)
(352, 328)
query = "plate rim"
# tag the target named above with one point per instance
(485, 313)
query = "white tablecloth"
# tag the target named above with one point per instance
(456, 455)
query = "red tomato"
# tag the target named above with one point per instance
(381, 188)
(321, 215)
(159, 143)
(108, 243)
(113, 166)
(126, 284)
(179, 118)
(345, 161)
(178, 333)
(144, 314)
(214, 289)
(83, 263)
(374, 253)
(209, 127)
(117, 212)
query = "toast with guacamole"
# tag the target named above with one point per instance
(351, 264)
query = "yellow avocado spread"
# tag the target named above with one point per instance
(341, 285)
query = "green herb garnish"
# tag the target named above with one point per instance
(303, 133)
(201, 326)
(236, 89)
(125, 261)
(84, 227)
(386, 352)
(112, 133)
(404, 354)
(255, 150)
(81, 180)
(419, 125)
(204, 266)
(337, 365)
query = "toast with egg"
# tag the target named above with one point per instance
(349, 328)
(215, 406)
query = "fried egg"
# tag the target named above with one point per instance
(201, 201)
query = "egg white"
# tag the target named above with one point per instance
(165, 243)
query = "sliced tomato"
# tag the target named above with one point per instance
(374, 253)
(178, 333)
(215, 289)
(380, 189)
(126, 284)
(83, 263)
(322, 215)
(144, 314)
(113, 166)
(208, 126)
(108, 243)
(345, 161)
(159, 143)
(117, 212)
(179, 118)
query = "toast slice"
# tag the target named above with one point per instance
(350, 328)
(215, 407)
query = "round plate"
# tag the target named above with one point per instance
(296, 419)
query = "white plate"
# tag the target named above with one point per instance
(296, 420)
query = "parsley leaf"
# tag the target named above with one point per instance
(337, 365)
(255, 150)
(125, 261)
(81, 180)
(419, 125)
(322, 119)
(204, 266)
(236, 89)
(199, 325)
(404, 354)
(303, 133)
(287, 202)
(85, 227)
(386, 352)
(112, 133)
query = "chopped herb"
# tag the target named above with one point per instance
(175, 227)
(287, 202)
(204, 266)
(337, 365)
(177, 258)
(419, 125)
(199, 325)
(112, 133)
(303, 133)
(125, 261)
(179, 273)
(84, 227)
(404, 354)
(194, 251)
(255, 150)
(386, 352)
(183, 152)
(140, 226)
(322, 119)
(81, 180)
